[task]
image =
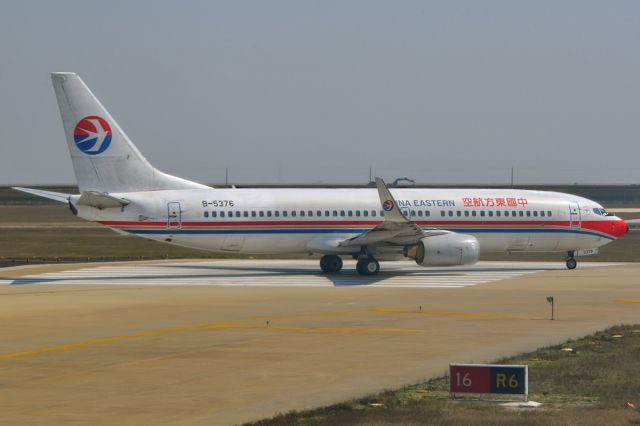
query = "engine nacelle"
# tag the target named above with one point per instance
(446, 250)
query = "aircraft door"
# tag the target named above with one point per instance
(574, 215)
(174, 215)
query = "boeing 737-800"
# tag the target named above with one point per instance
(435, 227)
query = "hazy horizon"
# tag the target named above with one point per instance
(318, 92)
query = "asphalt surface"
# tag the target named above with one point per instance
(222, 342)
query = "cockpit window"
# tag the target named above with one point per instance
(601, 212)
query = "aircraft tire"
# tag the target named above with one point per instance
(331, 264)
(368, 266)
(571, 263)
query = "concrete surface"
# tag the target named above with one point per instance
(231, 341)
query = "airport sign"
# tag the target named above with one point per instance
(489, 379)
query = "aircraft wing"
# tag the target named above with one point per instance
(395, 229)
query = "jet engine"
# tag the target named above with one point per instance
(446, 250)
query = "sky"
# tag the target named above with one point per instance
(320, 91)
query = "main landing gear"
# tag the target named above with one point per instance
(331, 264)
(571, 261)
(367, 266)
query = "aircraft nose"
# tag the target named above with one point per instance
(620, 228)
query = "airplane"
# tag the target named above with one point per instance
(120, 189)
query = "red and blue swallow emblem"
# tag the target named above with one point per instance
(387, 205)
(92, 135)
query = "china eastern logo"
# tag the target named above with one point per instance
(387, 205)
(92, 135)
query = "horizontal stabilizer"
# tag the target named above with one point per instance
(55, 196)
(100, 200)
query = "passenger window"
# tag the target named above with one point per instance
(365, 213)
(206, 214)
(326, 213)
(528, 213)
(521, 213)
(482, 213)
(549, 213)
(310, 213)
(319, 213)
(214, 214)
(261, 213)
(335, 213)
(413, 213)
(373, 213)
(245, 213)
(277, 213)
(542, 213)
(301, 213)
(420, 213)
(514, 213)
(427, 213)
(381, 212)
(498, 213)
(350, 213)
(466, 213)
(268, 213)
(458, 213)
(285, 213)
(357, 213)
(535, 213)
(442, 213)
(253, 214)
(293, 213)
(342, 213)
(473, 213)
(450, 213)
(221, 214)
(490, 213)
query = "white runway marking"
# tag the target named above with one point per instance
(290, 273)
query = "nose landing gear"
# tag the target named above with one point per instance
(571, 261)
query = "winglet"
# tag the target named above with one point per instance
(392, 212)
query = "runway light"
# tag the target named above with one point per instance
(550, 300)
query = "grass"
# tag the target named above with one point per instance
(593, 384)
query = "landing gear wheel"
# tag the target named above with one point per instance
(571, 263)
(331, 264)
(368, 266)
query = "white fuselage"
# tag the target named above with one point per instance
(274, 221)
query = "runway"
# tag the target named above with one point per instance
(291, 273)
(223, 342)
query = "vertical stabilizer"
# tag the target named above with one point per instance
(104, 159)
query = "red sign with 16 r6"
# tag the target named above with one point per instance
(496, 379)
